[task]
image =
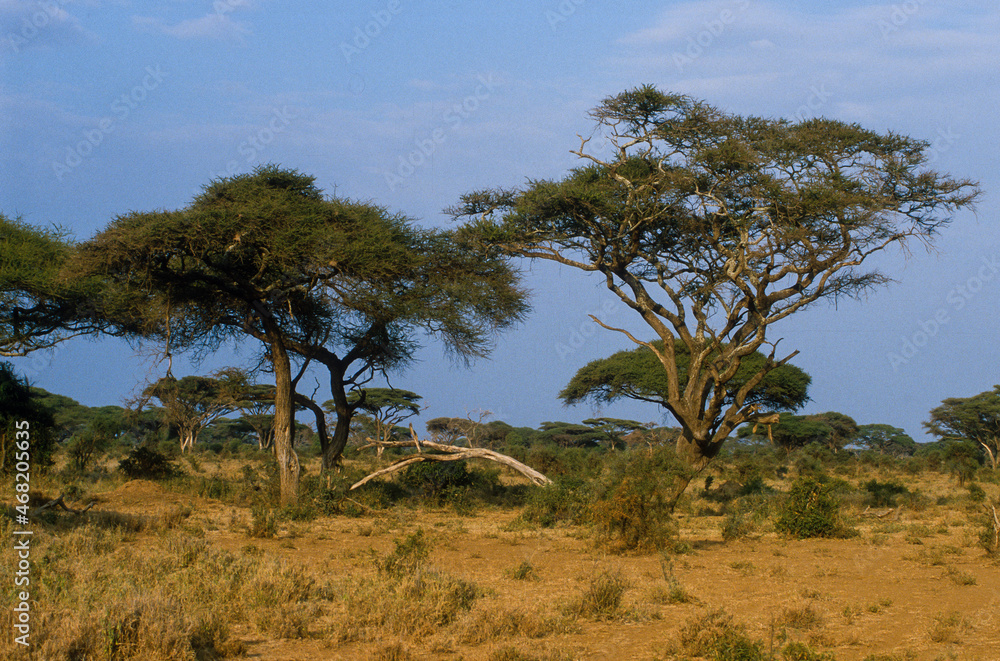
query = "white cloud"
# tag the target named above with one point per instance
(217, 26)
(32, 24)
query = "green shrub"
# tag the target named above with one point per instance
(811, 510)
(565, 500)
(976, 493)
(989, 533)
(144, 463)
(263, 523)
(883, 494)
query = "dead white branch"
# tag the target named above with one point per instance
(449, 453)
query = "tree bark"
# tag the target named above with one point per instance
(284, 420)
(344, 412)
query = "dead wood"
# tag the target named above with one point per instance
(59, 502)
(447, 453)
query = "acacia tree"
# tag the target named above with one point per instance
(257, 407)
(345, 284)
(832, 429)
(615, 429)
(976, 419)
(885, 439)
(711, 227)
(388, 407)
(38, 307)
(638, 374)
(193, 402)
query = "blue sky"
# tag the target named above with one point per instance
(113, 106)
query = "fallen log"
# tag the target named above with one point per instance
(447, 453)
(59, 502)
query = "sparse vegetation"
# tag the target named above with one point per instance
(405, 582)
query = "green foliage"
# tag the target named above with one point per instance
(885, 439)
(144, 463)
(263, 523)
(639, 374)
(633, 504)
(94, 439)
(976, 419)
(830, 429)
(989, 530)
(38, 306)
(566, 500)
(746, 516)
(25, 424)
(810, 510)
(883, 494)
(437, 479)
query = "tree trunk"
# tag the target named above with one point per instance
(321, 429)
(342, 429)
(695, 453)
(284, 423)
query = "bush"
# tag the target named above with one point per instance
(144, 463)
(883, 494)
(634, 515)
(716, 637)
(989, 534)
(603, 598)
(746, 516)
(565, 500)
(811, 510)
(435, 478)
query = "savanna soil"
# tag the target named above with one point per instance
(912, 585)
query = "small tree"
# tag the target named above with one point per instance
(18, 405)
(976, 419)
(95, 438)
(193, 402)
(389, 407)
(615, 429)
(711, 227)
(885, 439)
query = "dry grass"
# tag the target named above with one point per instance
(181, 580)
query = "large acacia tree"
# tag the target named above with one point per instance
(711, 227)
(38, 307)
(343, 283)
(975, 418)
